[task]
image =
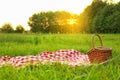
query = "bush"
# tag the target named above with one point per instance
(7, 28)
(19, 29)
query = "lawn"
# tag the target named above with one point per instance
(32, 44)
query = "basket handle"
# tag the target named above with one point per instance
(101, 44)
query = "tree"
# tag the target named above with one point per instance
(63, 20)
(90, 12)
(7, 28)
(38, 22)
(0, 29)
(51, 22)
(19, 29)
(52, 26)
(108, 19)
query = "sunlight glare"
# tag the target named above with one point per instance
(71, 21)
(17, 14)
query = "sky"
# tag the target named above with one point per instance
(18, 11)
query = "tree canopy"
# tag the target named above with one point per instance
(7, 28)
(19, 29)
(51, 22)
(101, 16)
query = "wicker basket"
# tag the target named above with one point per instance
(99, 54)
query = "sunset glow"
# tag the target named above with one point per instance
(72, 21)
(18, 11)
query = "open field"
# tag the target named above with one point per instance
(32, 44)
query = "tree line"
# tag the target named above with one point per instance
(53, 22)
(101, 17)
(8, 28)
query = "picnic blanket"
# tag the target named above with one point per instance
(70, 57)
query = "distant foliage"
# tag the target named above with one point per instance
(19, 29)
(52, 22)
(108, 19)
(38, 22)
(7, 28)
(86, 18)
(101, 17)
(0, 29)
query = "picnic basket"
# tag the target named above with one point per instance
(99, 54)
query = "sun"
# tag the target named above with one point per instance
(72, 21)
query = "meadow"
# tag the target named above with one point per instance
(32, 44)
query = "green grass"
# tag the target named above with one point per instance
(32, 44)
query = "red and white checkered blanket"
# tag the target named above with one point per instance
(70, 57)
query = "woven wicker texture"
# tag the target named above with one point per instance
(99, 54)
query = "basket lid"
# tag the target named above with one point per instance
(103, 48)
